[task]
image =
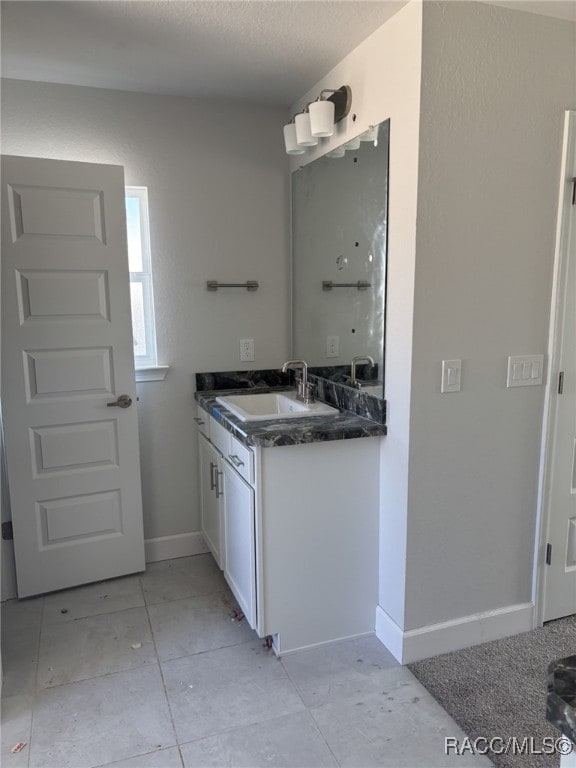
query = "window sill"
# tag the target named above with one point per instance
(152, 373)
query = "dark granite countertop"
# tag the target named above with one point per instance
(268, 434)
(561, 702)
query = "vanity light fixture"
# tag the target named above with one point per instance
(322, 117)
(370, 135)
(317, 120)
(290, 140)
(304, 135)
(326, 111)
(353, 143)
(338, 152)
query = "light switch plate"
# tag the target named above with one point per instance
(525, 371)
(451, 375)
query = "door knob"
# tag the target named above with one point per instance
(124, 401)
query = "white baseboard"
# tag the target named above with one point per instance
(170, 547)
(389, 634)
(434, 639)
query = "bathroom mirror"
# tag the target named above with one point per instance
(339, 234)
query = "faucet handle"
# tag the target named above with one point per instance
(308, 393)
(299, 380)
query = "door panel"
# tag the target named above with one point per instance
(77, 517)
(37, 211)
(61, 448)
(65, 295)
(210, 503)
(239, 542)
(73, 462)
(560, 574)
(67, 373)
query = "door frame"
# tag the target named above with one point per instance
(565, 207)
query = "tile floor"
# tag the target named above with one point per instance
(151, 671)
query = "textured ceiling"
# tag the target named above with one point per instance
(262, 52)
(258, 51)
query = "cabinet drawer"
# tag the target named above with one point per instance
(202, 421)
(219, 437)
(242, 459)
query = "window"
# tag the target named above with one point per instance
(141, 294)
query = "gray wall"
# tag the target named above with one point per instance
(217, 178)
(495, 83)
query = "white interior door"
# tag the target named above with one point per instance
(67, 354)
(560, 575)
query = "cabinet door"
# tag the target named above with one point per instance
(210, 497)
(239, 543)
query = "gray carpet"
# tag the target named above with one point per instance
(499, 688)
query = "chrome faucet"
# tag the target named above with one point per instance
(303, 388)
(355, 361)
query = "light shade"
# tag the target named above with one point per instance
(371, 134)
(353, 143)
(321, 118)
(303, 133)
(338, 152)
(290, 141)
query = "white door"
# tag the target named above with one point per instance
(210, 497)
(560, 574)
(239, 541)
(67, 354)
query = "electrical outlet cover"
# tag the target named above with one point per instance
(332, 346)
(246, 350)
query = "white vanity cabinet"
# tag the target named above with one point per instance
(212, 441)
(210, 497)
(240, 541)
(227, 504)
(298, 529)
(202, 422)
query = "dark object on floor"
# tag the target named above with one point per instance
(561, 699)
(498, 689)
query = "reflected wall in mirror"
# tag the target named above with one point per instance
(339, 232)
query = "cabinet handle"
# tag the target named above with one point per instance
(235, 460)
(218, 491)
(212, 482)
(199, 421)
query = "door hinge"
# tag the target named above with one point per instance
(548, 554)
(7, 532)
(561, 382)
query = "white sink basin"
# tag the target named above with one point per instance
(272, 405)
